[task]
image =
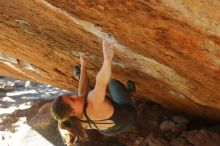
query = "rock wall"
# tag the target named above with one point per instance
(169, 48)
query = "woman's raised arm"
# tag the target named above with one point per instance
(83, 88)
(97, 95)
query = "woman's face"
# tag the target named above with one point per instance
(76, 103)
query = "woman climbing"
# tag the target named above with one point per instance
(92, 109)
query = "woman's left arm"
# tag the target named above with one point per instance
(83, 88)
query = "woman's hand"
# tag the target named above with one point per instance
(108, 50)
(84, 57)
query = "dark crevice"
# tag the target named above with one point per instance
(59, 71)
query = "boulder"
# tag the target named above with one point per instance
(203, 137)
(169, 48)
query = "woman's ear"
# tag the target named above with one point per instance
(72, 113)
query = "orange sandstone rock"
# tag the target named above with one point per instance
(169, 48)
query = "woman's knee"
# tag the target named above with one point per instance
(115, 83)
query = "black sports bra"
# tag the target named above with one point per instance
(123, 117)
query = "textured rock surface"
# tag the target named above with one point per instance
(169, 48)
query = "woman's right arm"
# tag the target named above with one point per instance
(97, 96)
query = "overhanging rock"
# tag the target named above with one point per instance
(169, 48)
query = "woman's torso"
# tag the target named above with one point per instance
(120, 119)
(103, 112)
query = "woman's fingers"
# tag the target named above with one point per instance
(112, 46)
(106, 44)
(84, 55)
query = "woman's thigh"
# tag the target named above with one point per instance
(119, 93)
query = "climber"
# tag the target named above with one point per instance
(92, 109)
